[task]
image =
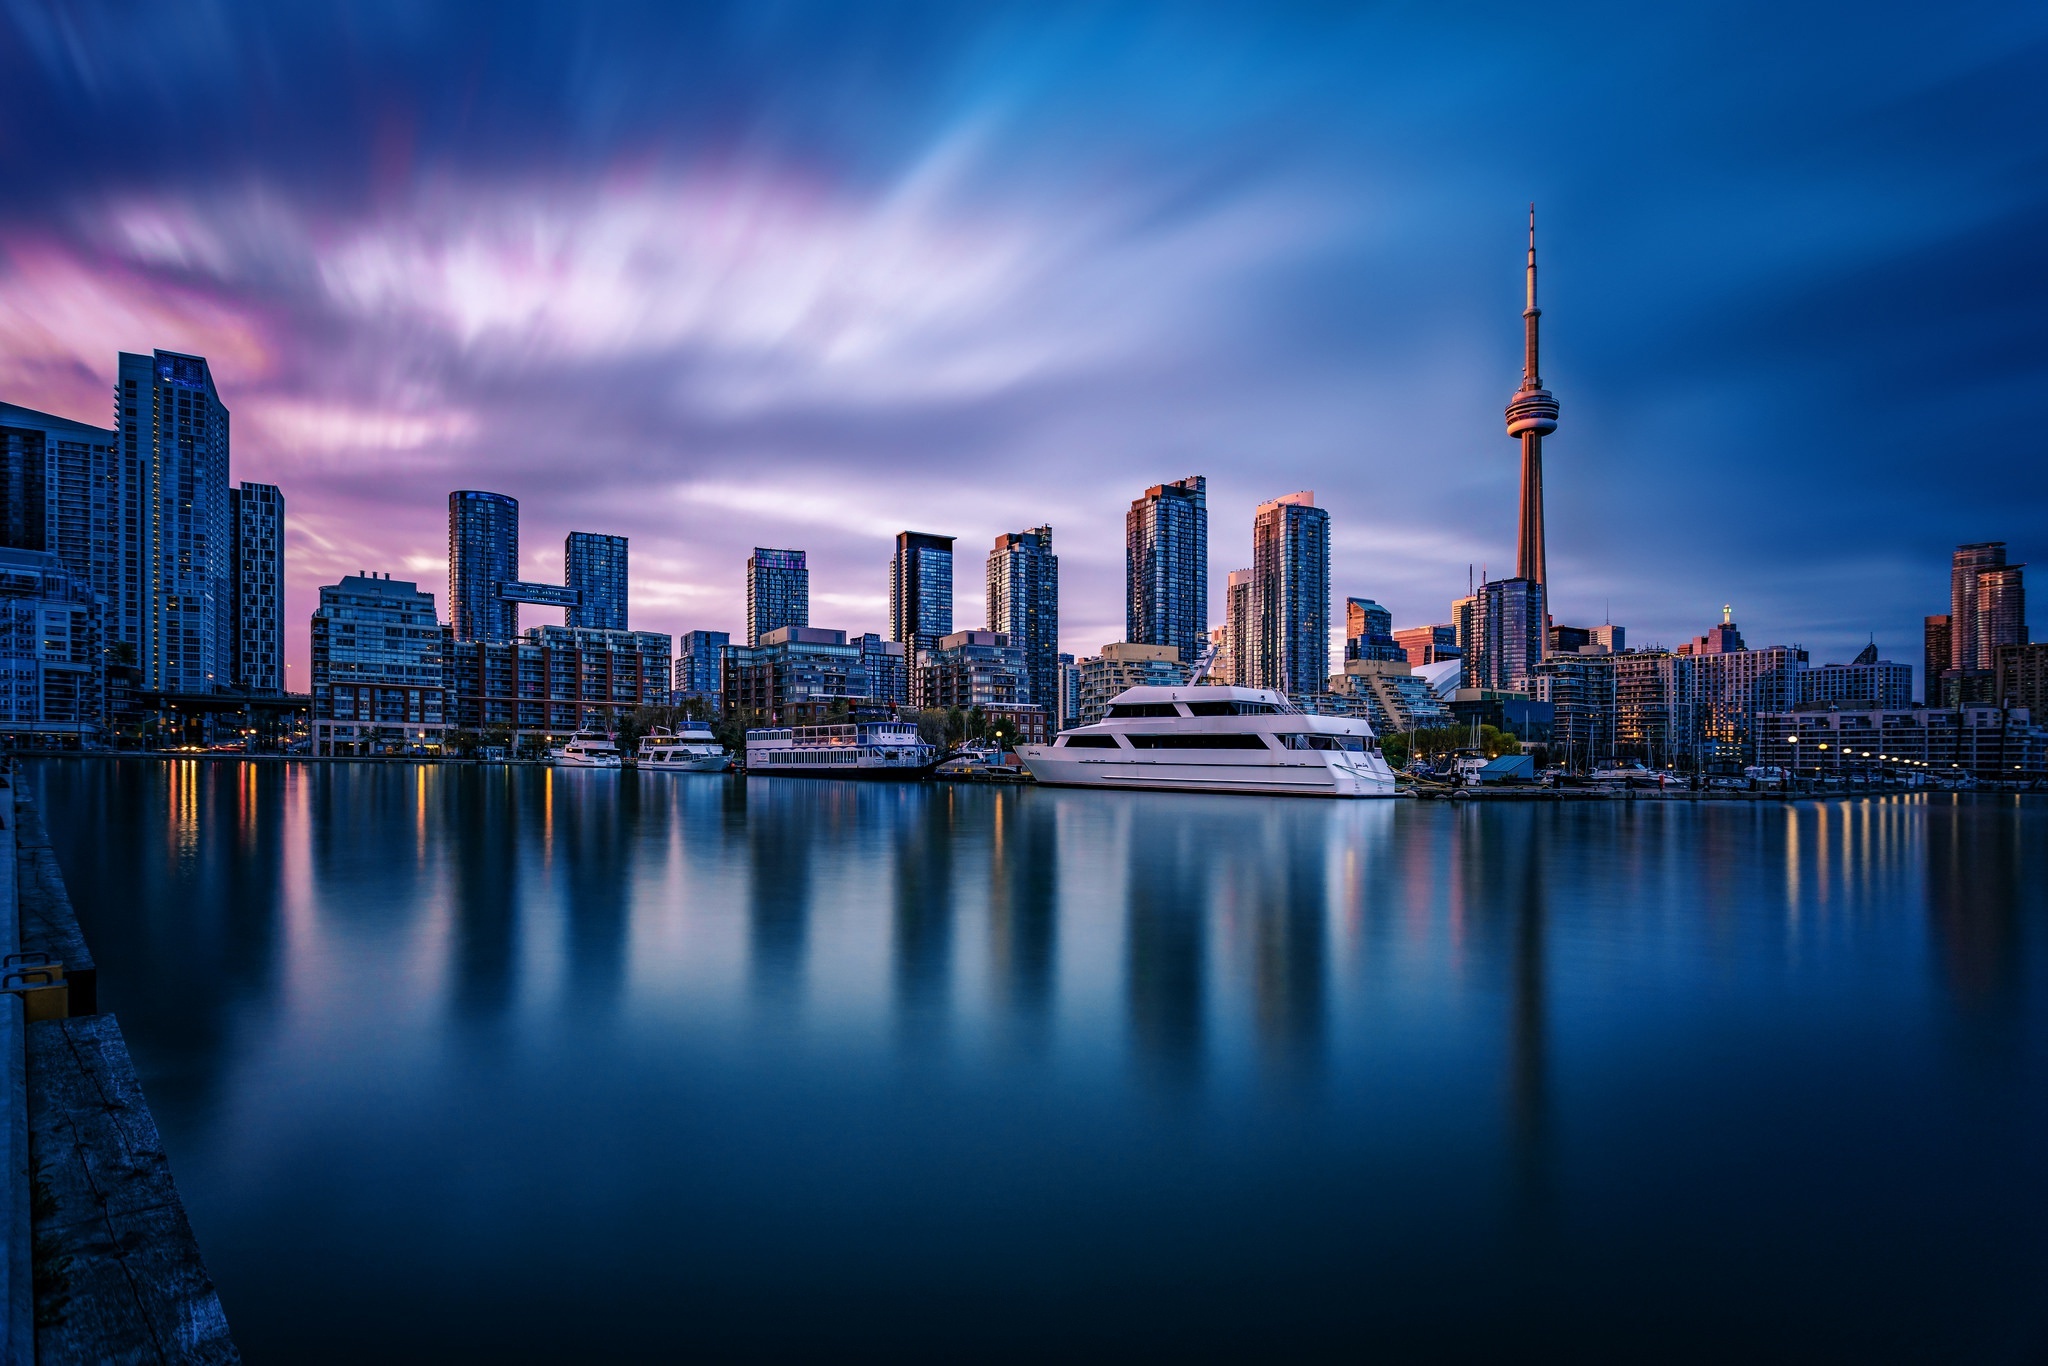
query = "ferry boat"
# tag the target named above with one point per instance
(586, 749)
(695, 750)
(1215, 739)
(886, 748)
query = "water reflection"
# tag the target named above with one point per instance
(1270, 1050)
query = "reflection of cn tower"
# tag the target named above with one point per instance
(1532, 415)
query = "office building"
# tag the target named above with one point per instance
(1937, 648)
(1531, 416)
(67, 491)
(256, 640)
(1126, 664)
(1865, 684)
(483, 556)
(975, 669)
(795, 675)
(1290, 595)
(1425, 645)
(1024, 604)
(53, 680)
(700, 668)
(540, 689)
(378, 676)
(594, 569)
(778, 592)
(1369, 632)
(1573, 640)
(174, 434)
(921, 589)
(888, 665)
(2020, 679)
(1502, 633)
(1166, 567)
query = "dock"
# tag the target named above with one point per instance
(99, 1263)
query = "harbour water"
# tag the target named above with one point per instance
(506, 1064)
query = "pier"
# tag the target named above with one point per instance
(99, 1263)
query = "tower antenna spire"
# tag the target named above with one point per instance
(1532, 415)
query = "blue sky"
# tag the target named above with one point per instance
(792, 275)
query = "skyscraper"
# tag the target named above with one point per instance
(1369, 632)
(483, 553)
(1532, 415)
(921, 590)
(1166, 567)
(1290, 595)
(595, 569)
(2001, 611)
(256, 645)
(66, 491)
(1024, 604)
(174, 431)
(1502, 632)
(1234, 658)
(1939, 648)
(778, 592)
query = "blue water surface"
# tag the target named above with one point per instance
(522, 1064)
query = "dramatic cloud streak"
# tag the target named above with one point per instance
(748, 275)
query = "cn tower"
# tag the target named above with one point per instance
(1532, 415)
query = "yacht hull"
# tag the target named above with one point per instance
(887, 773)
(1271, 780)
(717, 763)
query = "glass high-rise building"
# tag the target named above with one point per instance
(1024, 604)
(483, 553)
(700, 666)
(256, 644)
(1503, 630)
(921, 589)
(1166, 567)
(1290, 596)
(1369, 632)
(174, 430)
(778, 592)
(65, 490)
(595, 569)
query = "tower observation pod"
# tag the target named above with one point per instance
(1532, 415)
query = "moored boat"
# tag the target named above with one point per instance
(883, 748)
(1215, 739)
(692, 750)
(586, 749)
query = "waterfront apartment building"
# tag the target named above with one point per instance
(174, 434)
(921, 590)
(1867, 684)
(1422, 646)
(1986, 742)
(794, 675)
(53, 671)
(778, 592)
(975, 669)
(1502, 634)
(1369, 632)
(2020, 676)
(1290, 595)
(1656, 707)
(1024, 604)
(378, 680)
(256, 641)
(1394, 697)
(700, 668)
(1125, 664)
(594, 570)
(1234, 652)
(68, 492)
(1166, 567)
(553, 681)
(483, 556)
(888, 665)
(1734, 687)
(1580, 688)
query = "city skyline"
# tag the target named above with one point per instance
(400, 295)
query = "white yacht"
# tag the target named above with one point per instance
(1215, 739)
(586, 749)
(695, 750)
(886, 748)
